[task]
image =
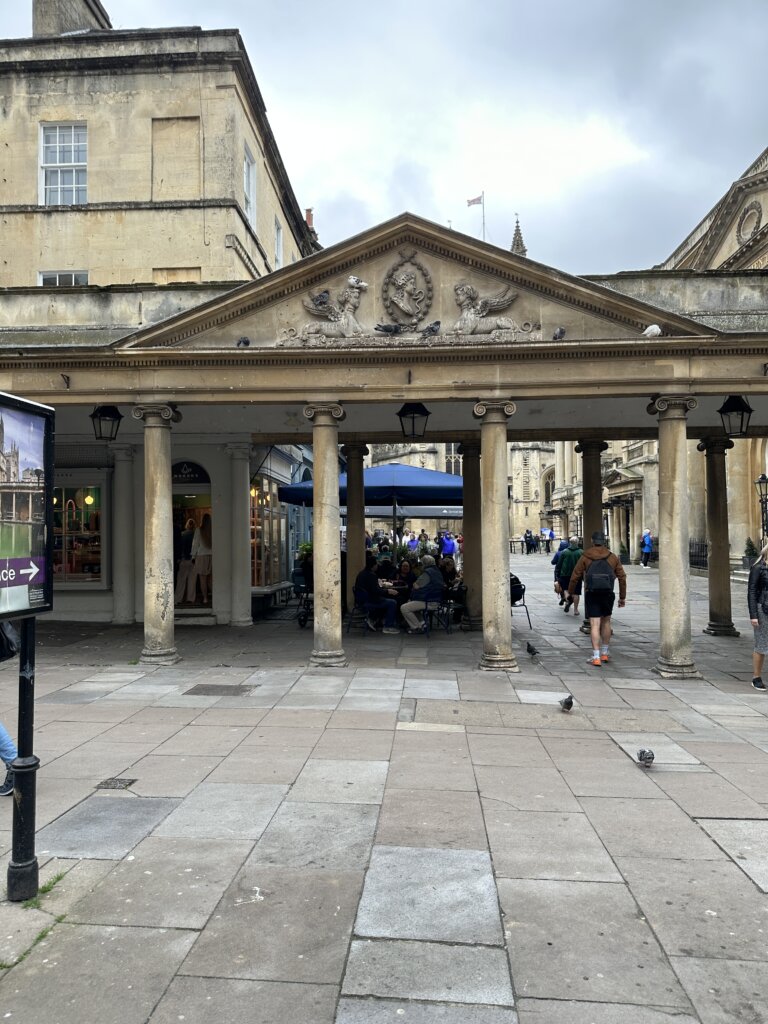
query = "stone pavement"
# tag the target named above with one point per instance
(407, 839)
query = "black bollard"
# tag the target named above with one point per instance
(23, 868)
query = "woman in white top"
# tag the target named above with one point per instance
(202, 557)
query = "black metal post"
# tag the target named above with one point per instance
(23, 868)
(764, 517)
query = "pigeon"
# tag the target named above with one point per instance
(645, 757)
(390, 328)
(567, 702)
(243, 342)
(531, 649)
(356, 282)
(433, 328)
(559, 334)
(321, 299)
(652, 332)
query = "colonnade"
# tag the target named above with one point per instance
(486, 530)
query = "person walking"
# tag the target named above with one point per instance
(757, 600)
(646, 547)
(600, 569)
(565, 566)
(8, 754)
(555, 561)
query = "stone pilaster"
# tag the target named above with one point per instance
(472, 529)
(159, 638)
(719, 563)
(240, 542)
(559, 464)
(497, 611)
(326, 549)
(123, 541)
(675, 654)
(355, 453)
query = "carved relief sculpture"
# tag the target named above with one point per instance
(478, 314)
(407, 291)
(339, 319)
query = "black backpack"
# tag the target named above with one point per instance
(600, 575)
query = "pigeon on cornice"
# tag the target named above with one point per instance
(652, 331)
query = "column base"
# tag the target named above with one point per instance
(241, 623)
(721, 629)
(169, 656)
(499, 662)
(667, 670)
(328, 659)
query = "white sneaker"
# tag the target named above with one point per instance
(391, 631)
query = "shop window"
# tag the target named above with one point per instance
(77, 536)
(268, 534)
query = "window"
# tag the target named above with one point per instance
(278, 245)
(453, 461)
(63, 278)
(64, 170)
(249, 186)
(77, 540)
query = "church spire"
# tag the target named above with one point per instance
(518, 245)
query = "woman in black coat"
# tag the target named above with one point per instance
(757, 599)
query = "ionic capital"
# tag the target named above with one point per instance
(714, 445)
(325, 413)
(354, 451)
(470, 449)
(672, 407)
(591, 447)
(494, 410)
(157, 414)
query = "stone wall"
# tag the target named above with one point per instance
(55, 17)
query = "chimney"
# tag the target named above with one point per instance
(309, 218)
(57, 17)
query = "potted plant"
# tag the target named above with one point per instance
(750, 553)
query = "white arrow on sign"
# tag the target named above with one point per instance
(32, 571)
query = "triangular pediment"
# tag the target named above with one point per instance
(409, 283)
(737, 235)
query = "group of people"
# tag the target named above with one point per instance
(194, 564)
(531, 543)
(398, 593)
(444, 544)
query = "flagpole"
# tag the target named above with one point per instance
(483, 205)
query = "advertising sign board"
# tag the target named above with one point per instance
(26, 507)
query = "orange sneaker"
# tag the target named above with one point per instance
(605, 657)
(594, 661)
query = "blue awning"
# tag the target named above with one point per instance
(389, 484)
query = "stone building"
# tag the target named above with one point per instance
(222, 384)
(140, 177)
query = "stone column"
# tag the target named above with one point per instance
(497, 611)
(559, 464)
(719, 563)
(592, 490)
(355, 516)
(123, 541)
(675, 655)
(568, 462)
(697, 523)
(472, 529)
(240, 541)
(632, 539)
(327, 538)
(741, 496)
(159, 640)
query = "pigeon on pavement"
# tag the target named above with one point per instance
(567, 702)
(645, 757)
(531, 649)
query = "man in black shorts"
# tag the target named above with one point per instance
(599, 568)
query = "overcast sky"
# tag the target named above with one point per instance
(611, 127)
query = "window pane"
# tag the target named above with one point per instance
(77, 534)
(81, 278)
(48, 280)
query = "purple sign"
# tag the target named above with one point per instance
(20, 572)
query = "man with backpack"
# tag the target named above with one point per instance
(599, 568)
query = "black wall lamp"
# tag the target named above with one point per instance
(735, 412)
(106, 422)
(413, 420)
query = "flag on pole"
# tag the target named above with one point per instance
(475, 202)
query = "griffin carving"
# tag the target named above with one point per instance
(478, 314)
(337, 319)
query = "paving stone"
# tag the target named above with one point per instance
(277, 924)
(535, 788)
(354, 745)
(356, 719)
(431, 771)
(224, 811)
(458, 712)
(725, 991)
(607, 779)
(665, 750)
(729, 752)
(443, 819)
(583, 940)
(709, 796)
(748, 778)
(746, 843)
(702, 908)
(168, 775)
(358, 782)
(204, 739)
(428, 971)
(103, 827)
(261, 765)
(316, 835)
(21, 926)
(380, 1011)
(531, 716)
(293, 718)
(202, 1000)
(441, 895)
(526, 844)
(54, 980)
(510, 750)
(281, 736)
(546, 1011)
(648, 828)
(634, 720)
(165, 883)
